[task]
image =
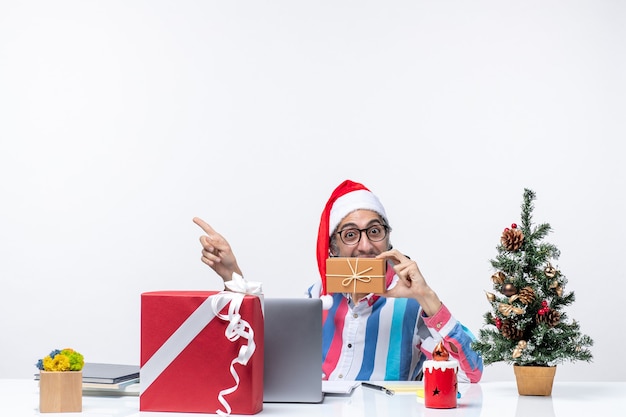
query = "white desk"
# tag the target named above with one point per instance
(20, 398)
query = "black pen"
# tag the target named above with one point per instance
(377, 387)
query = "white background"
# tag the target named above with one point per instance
(122, 120)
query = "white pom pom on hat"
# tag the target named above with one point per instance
(346, 198)
(327, 301)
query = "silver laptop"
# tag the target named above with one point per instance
(293, 350)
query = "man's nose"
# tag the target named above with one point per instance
(364, 243)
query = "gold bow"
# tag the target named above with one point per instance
(507, 309)
(498, 277)
(557, 287)
(517, 352)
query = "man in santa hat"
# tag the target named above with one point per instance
(369, 336)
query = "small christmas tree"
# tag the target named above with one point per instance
(527, 324)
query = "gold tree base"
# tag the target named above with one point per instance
(60, 392)
(534, 380)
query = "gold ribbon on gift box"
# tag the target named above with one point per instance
(355, 275)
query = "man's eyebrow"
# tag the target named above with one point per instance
(354, 226)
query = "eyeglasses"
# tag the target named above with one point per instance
(352, 236)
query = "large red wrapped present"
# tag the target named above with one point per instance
(201, 352)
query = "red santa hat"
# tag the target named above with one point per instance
(346, 198)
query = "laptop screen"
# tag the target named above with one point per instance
(293, 350)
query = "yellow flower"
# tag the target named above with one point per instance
(56, 364)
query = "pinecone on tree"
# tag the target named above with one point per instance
(526, 295)
(550, 317)
(512, 239)
(510, 331)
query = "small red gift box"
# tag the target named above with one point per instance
(189, 363)
(355, 275)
